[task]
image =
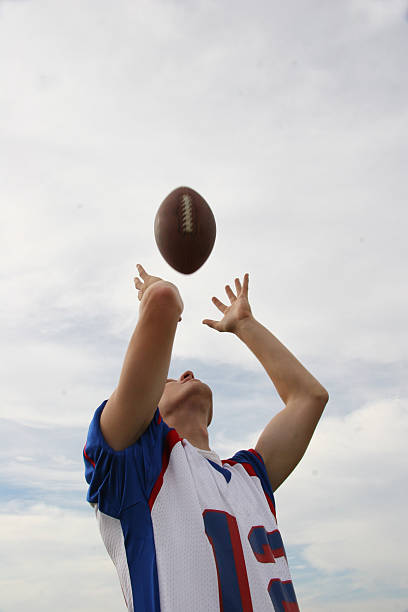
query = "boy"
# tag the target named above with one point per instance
(186, 530)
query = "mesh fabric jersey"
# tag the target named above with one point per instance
(185, 529)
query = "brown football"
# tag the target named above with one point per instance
(185, 230)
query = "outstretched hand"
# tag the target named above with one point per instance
(147, 281)
(237, 312)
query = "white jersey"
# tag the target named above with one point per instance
(185, 530)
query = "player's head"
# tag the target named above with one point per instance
(184, 396)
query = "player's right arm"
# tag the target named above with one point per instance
(132, 405)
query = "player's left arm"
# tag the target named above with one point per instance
(285, 439)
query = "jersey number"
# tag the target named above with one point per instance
(233, 586)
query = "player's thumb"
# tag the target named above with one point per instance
(210, 323)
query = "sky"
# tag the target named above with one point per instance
(290, 119)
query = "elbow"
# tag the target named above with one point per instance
(317, 394)
(322, 396)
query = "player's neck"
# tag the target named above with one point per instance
(201, 443)
(196, 434)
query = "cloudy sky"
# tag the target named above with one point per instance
(291, 119)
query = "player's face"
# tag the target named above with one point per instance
(185, 389)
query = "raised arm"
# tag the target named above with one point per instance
(131, 407)
(286, 437)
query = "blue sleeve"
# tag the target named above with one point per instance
(120, 479)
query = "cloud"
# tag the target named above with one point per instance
(48, 550)
(289, 120)
(348, 487)
(378, 14)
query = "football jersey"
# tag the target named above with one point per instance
(186, 530)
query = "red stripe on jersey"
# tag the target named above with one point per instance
(253, 451)
(290, 606)
(171, 439)
(247, 466)
(88, 458)
(239, 564)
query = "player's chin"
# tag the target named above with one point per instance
(207, 393)
(196, 386)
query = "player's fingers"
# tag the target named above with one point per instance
(238, 285)
(230, 293)
(138, 283)
(219, 304)
(246, 283)
(210, 323)
(142, 271)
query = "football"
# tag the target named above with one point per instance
(184, 229)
